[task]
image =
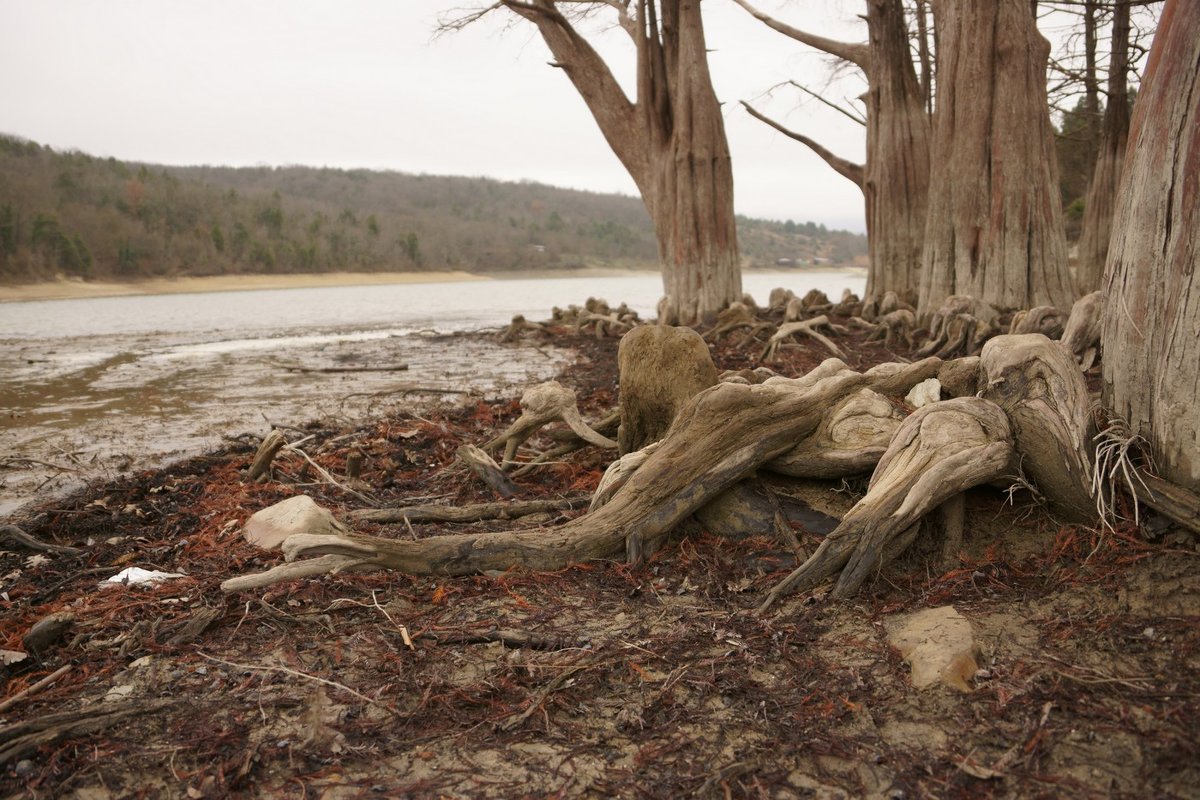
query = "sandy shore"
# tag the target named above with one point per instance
(69, 289)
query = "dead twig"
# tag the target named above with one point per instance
(304, 676)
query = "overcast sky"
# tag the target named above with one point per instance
(364, 83)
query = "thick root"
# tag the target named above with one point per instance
(541, 405)
(941, 450)
(1042, 390)
(720, 437)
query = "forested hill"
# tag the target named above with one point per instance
(77, 215)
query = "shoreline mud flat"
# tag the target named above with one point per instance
(597, 680)
(100, 415)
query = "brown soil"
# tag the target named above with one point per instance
(599, 680)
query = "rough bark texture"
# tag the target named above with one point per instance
(995, 228)
(661, 369)
(1040, 387)
(672, 141)
(1152, 329)
(1110, 158)
(896, 184)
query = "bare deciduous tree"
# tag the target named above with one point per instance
(671, 138)
(895, 177)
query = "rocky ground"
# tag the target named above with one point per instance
(600, 680)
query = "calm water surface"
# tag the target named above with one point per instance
(105, 384)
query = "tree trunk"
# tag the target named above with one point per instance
(1102, 192)
(672, 141)
(896, 185)
(1151, 346)
(895, 177)
(995, 228)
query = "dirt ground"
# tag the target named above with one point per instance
(600, 680)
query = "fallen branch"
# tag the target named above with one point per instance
(24, 737)
(35, 688)
(298, 368)
(470, 513)
(17, 536)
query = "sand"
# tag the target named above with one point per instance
(69, 289)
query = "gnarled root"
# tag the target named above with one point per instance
(719, 437)
(850, 440)
(1046, 320)
(541, 405)
(894, 325)
(807, 327)
(1081, 337)
(518, 326)
(1041, 389)
(941, 450)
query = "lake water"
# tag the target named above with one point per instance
(91, 387)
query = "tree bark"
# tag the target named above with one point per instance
(896, 184)
(1151, 346)
(1110, 158)
(995, 228)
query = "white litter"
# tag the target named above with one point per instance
(132, 576)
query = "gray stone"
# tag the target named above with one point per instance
(268, 528)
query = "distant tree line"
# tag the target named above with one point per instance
(80, 216)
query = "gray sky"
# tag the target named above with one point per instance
(363, 83)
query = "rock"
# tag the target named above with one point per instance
(661, 368)
(47, 631)
(939, 645)
(924, 393)
(268, 528)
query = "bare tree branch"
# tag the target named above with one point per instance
(855, 117)
(853, 52)
(847, 169)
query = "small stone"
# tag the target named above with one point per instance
(939, 646)
(24, 767)
(300, 514)
(1149, 633)
(47, 631)
(924, 393)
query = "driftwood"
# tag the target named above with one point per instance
(487, 470)
(469, 513)
(13, 534)
(260, 467)
(300, 368)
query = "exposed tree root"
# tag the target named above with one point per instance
(940, 451)
(541, 405)
(720, 437)
(809, 328)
